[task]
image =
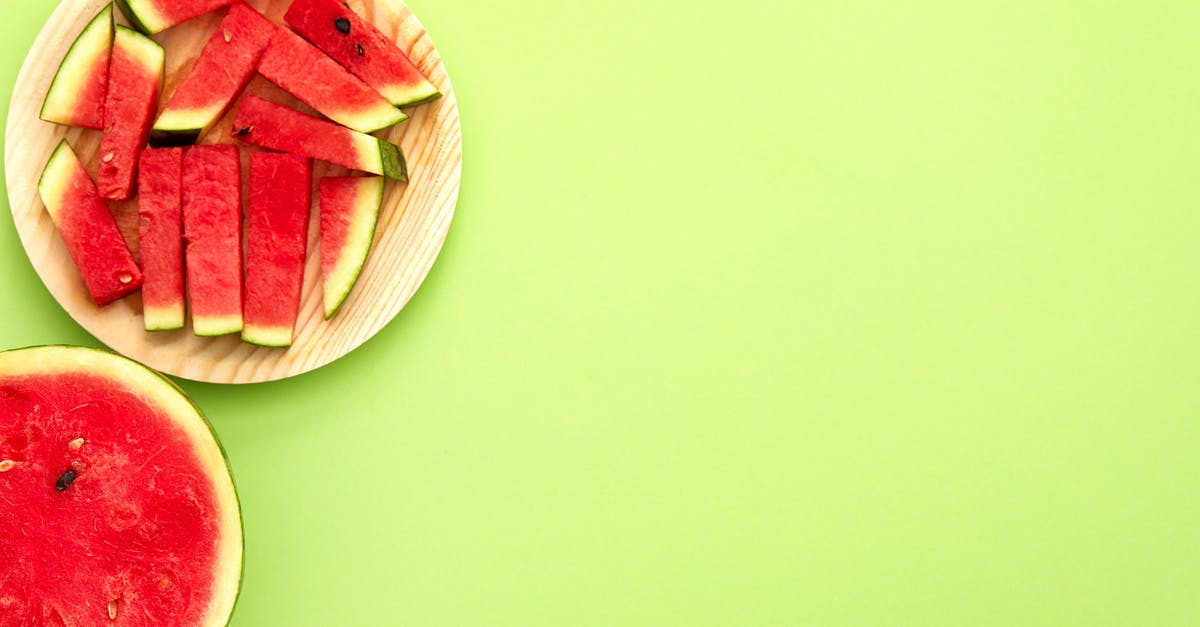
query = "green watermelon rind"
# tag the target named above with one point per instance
(259, 336)
(345, 289)
(58, 74)
(203, 418)
(394, 165)
(134, 19)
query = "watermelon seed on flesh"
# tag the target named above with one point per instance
(65, 480)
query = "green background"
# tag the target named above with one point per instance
(759, 313)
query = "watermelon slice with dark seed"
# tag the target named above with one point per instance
(221, 72)
(277, 238)
(318, 81)
(264, 123)
(212, 227)
(349, 212)
(76, 95)
(160, 198)
(152, 16)
(134, 79)
(356, 44)
(118, 505)
(88, 229)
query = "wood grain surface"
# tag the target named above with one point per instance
(412, 225)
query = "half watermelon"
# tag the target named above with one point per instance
(119, 507)
(152, 16)
(356, 44)
(264, 123)
(88, 229)
(349, 212)
(76, 95)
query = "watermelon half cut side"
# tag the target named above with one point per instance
(135, 78)
(160, 231)
(356, 44)
(225, 66)
(119, 506)
(349, 212)
(87, 227)
(153, 16)
(76, 94)
(264, 123)
(212, 227)
(318, 81)
(277, 240)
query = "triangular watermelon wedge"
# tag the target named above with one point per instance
(361, 48)
(88, 229)
(76, 95)
(349, 212)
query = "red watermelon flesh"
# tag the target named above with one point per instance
(356, 44)
(87, 227)
(212, 226)
(318, 81)
(76, 95)
(221, 72)
(280, 195)
(118, 505)
(264, 123)
(160, 230)
(152, 16)
(134, 80)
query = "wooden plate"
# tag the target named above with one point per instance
(412, 224)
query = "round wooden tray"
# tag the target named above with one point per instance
(412, 224)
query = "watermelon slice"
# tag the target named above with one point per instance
(212, 226)
(349, 213)
(280, 195)
(152, 16)
(356, 44)
(87, 228)
(76, 95)
(318, 81)
(264, 123)
(160, 229)
(135, 77)
(224, 68)
(119, 507)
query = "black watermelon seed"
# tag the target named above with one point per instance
(343, 25)
(361, 52)
(65, 480)
(242, 132)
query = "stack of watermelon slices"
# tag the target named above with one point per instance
(193, 212)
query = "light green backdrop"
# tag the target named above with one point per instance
(759, 313)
